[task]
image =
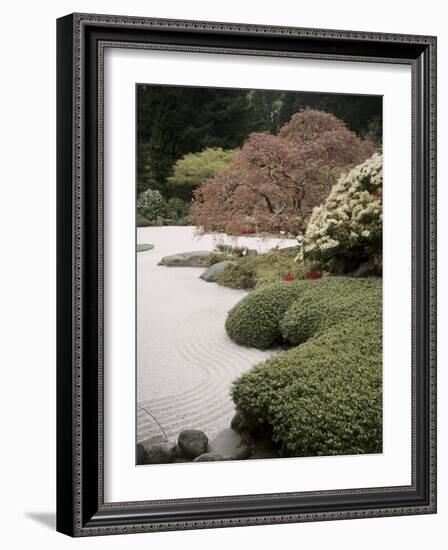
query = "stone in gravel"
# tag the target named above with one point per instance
(192, 442)
(185, 259)
(208, 457)
(161, 453)
(229, 444)
(143, 446)
(141, 453)
(177, 452)
(210, 275)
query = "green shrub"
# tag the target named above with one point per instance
(177, 209)
(215, 257)
(144, 247)
(238, 251)
(255, 320)
(141, 221)
(323, 397)
(267, 268)
(331, 301)
(237, 276)
(151, 205)
(194, 168)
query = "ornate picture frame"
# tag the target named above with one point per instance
(81, 506)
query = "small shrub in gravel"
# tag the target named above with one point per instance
(215, 257)
(238, 276)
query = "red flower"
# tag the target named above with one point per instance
(288, 277)
(247, 229)
(314, 275)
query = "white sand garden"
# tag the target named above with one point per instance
(185, 360)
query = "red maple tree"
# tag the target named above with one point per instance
(274, 181)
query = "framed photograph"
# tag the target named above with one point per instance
(246, 274)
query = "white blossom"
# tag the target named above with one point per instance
(351, 215)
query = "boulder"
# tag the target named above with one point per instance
(208, 457)
(160, 453)
(210, 275)
(143, 446)
(186, 259)
(229, 444)
(141, 453)
(192, 442)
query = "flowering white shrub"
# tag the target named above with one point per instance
(151, 205)
(346, 229)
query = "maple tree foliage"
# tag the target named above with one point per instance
(274, 181)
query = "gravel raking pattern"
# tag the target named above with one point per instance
(186, 363)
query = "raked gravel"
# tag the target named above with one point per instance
(185, 360)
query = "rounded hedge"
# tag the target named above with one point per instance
(323, 397)
(330, 302)
(255, 320)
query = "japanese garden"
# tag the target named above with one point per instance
(259, 274)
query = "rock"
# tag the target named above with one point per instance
(143, 446)
(180, 460)
(177, 453)
(208, 457)
(229, 444)
(213, 271)
(141, 453)
(264, 454)
(364, 270)
(192, 442)
(238, 422)
(161, 453)
(185, 259)
(251, 252)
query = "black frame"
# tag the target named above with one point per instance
(81, 39)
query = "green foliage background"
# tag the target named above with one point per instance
(173, 121)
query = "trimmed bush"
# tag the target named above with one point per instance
(331, 301)
(323, 397)
(255, 320)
